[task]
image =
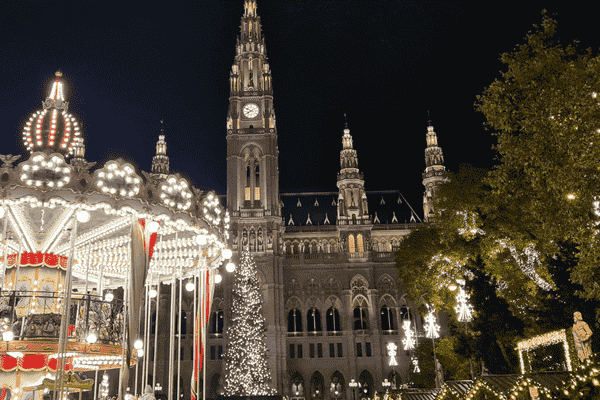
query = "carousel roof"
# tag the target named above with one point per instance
(52, 129)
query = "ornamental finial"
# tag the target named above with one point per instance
(58, 73)
(345, 122)
(429, 119)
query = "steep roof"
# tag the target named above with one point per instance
(320, 208)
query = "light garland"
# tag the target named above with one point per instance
(532, 260)
(103, 390)
(546, 339)
(118, 179)
(45, 171)
(176, 193)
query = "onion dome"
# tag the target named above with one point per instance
(53, 129)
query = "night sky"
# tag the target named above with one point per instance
(127, 65)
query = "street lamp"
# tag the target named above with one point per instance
(157, 388)
(386, 384)
(432, 330)
(353, 384)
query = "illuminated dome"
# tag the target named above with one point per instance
(53, 129)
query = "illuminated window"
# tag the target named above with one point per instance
(351, 246)
(359, 243)
(247, 193)
(257, 193)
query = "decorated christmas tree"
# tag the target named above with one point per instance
(246, 371)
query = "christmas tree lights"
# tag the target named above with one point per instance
(246, 371)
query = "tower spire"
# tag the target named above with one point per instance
(435, 172)
(352, 199)
(160, 162)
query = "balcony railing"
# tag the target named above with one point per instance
(316, 258)
(37, 315)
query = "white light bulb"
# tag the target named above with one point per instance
(92, 338)
(230, 267)
(109, 296)
(152, 293)
(8, 336)
(201, 240)
(83, 216)
(227, 253)
(218, 278)
(152, 226)
(190, 286)
(138, 344)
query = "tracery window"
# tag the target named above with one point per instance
(359, 243)
(216, 323)
(333, 320)
(294, 321)
(351, 245)
(387, 319)
(361, 313)
(313, 320)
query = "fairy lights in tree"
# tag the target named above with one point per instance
(103, 390)
(246, 371)
(44, 171)
(118, 179)
(409, 339)
(527, 263)
(175, 192)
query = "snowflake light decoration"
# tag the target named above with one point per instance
(45, 171)
(432, 329)
(409, 340)
(212, 211)
(118, 179)
(175, 192)
(463, 309)
(391, 348)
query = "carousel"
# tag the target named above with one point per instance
(83, 248)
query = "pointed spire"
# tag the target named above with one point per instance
(56, 92)
(429, 119)
(160, 162)
(347, 138)
(250, 8)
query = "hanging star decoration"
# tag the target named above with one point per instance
(391, 348)
(463, 309)
(432, 329)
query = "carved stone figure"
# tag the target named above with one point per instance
(582, 336)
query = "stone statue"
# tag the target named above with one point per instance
(582, 337)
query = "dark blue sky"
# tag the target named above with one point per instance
(385, 63)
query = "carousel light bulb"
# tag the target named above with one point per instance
(109, 297)
(92, 338)
(218, 278)
(152, 293)
(201, 240)
(138, 344)
(83, 216)
(227, 253)
(153, 226)
(190, 286)
(8, 336)
(230, 267)
(140, 353)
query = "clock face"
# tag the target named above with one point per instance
(250, 110)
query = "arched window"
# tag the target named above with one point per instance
(294, 321)
(333, 320)
(359, 243)
(257, 183)
(351, 246)
(216, 322)
(313, 320)
(328, 248)
(387, 319)
(361, 320)
(247, 194)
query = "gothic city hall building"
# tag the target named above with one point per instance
(325, 261)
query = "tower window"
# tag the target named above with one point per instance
(359, 243)
(351, 245)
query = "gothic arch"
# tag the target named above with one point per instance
(359, 281)
(251, 149)
(293, 302)
(386, 284)
(333, 301)
(316, 386)
(332, 284)
(388, 300)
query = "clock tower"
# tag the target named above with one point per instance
(253, 177)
